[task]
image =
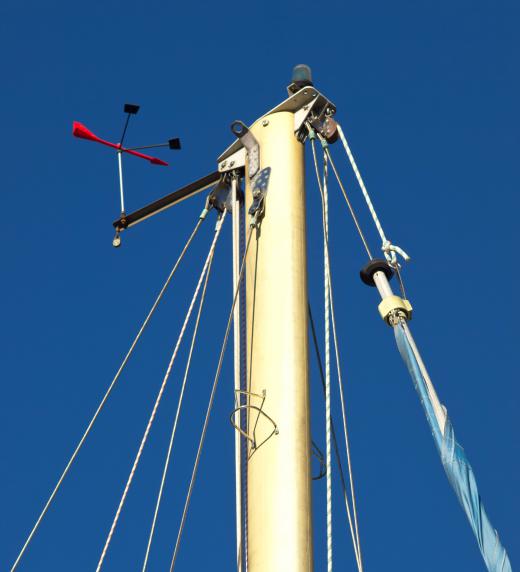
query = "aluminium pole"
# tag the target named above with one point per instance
(279, 520)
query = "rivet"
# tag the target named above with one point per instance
(265, 122)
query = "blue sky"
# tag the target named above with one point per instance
(428, 94)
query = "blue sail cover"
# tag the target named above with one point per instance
(457, 467)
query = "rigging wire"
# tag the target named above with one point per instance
(333, 431)
(160, 393)
(347, 200)
(322, 378)
(109, 391)
(344, 417)
(177, 414)
(354, 529)
(327, 365)
(210, 405)
(243, 387)
(239, 338)
(388, 248)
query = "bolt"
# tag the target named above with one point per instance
(305, 92)
(231, 163)
(223, 164)
(305, 107)
(265, 122)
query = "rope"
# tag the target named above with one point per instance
(345, 431)
(347, 200)
(210, 406)
(334, 438)
(354, 529)
(108, 392)
(333, 431)
(238, 341)
(388, 248)
(243, 399)
(327, 366)
(160, 394)
(177, 414)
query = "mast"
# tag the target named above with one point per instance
(278, 471)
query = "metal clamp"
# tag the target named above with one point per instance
(394, 306)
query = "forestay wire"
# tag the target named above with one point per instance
(115, 379)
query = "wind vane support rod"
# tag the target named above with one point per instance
(121, 192)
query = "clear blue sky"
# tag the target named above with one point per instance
(428, 93)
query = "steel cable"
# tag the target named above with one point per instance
(354, 529)
(159, 396)
(209, 408)
(177, 415)
(108, 392)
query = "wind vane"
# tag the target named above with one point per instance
(79, 130)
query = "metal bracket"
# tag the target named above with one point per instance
(259, 185)
(237, 161)
(241, 131)
(260, 413)
(301, 114)
(301, 104)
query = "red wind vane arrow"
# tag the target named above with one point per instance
(82, 132)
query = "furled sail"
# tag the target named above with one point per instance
(457, 467)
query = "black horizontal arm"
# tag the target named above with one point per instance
(167, 201)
